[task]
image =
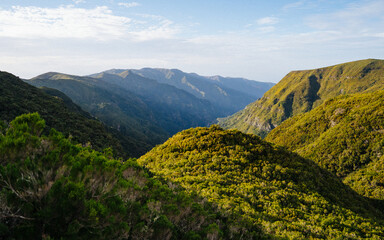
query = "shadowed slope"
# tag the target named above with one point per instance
(18, 97)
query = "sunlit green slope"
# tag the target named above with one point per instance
(264, 186)
(345, 135)
(301, 91)
(53, 189)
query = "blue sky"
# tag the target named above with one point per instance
(259, 40)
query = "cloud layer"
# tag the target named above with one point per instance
(78, 23)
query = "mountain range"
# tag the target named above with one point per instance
(228, 95)
(146, 109)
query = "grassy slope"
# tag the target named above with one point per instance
(344, 135)
(259, 184)
(300, 91)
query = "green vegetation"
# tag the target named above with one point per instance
(59, 112)
(344, 135)
(301, 91)
(369, 180)
(53, 189)
(263, 186)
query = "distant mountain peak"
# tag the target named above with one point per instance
(48, 75)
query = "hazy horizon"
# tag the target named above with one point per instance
(257, 40)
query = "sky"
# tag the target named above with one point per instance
(258, 40)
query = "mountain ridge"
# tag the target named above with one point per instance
(228, 98)
(300, 91)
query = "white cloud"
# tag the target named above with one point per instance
(129, 5)
(78, 1)
(267, 21)
(62, 22)
(78, 23)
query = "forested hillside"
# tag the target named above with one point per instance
(53, 189)
(344, 135)
(301, 91)
(17, 97)
(260, 184)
